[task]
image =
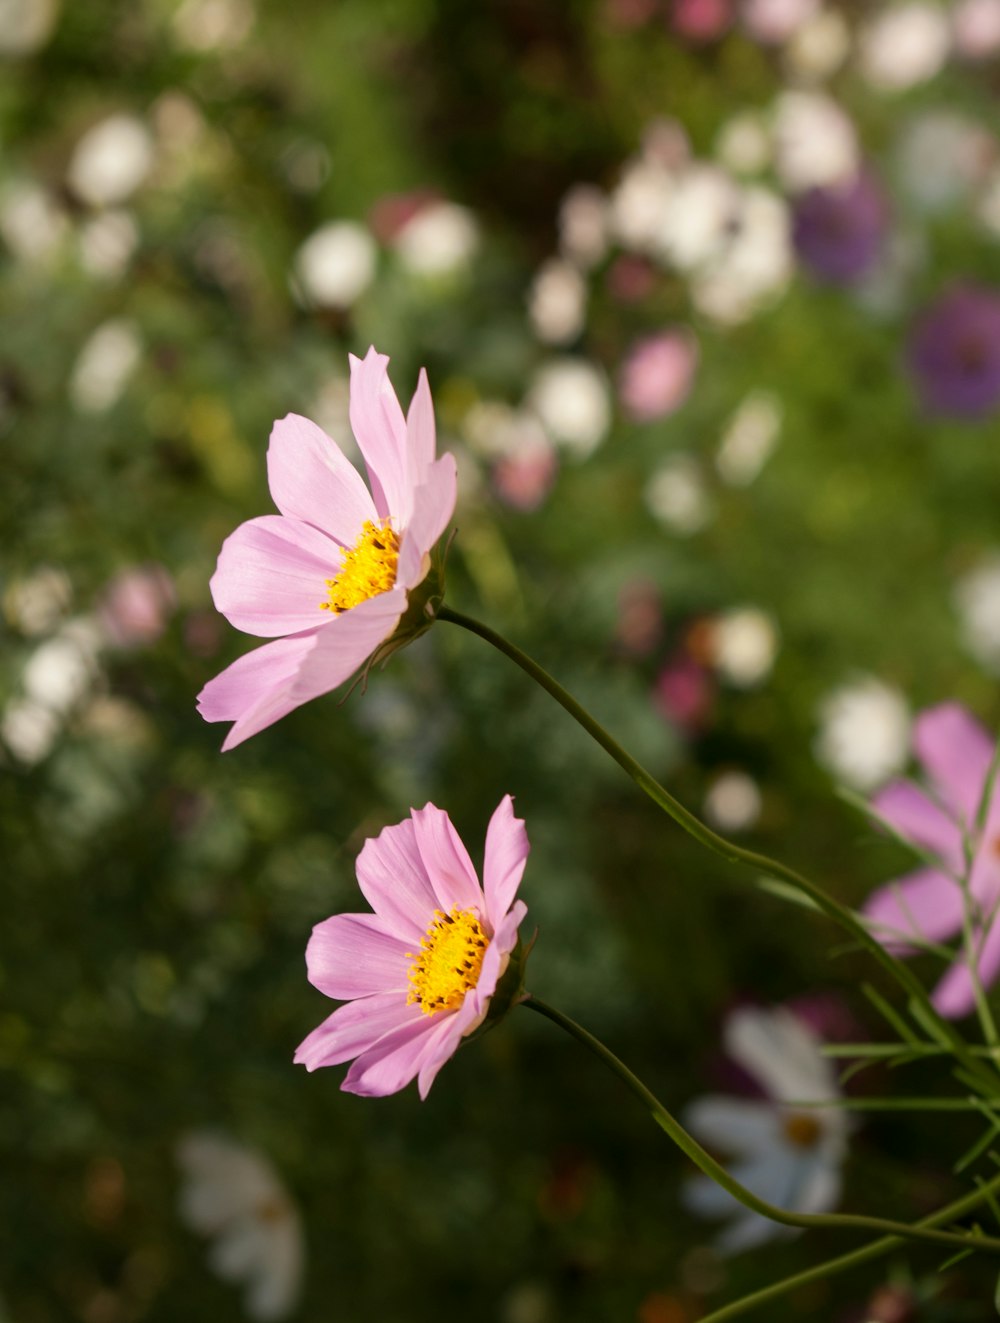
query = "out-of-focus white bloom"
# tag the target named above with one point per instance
(111, 160)
(977, 600)
(233, 1195)
(336, 264)
(107, 241)
(36, 603)
(330, 409)
(676, 496)
(26, 25)
(639, 205)
(32, 226)
(733, 801)
(583, 225)
(698, 216)
(819, 47)
(106, 361)
(864, 732)
(557, 302)
(754, 268)
(976, 28)
(571, 398)
(209, 25)
(742, 645)
(62, 669)
(441, 239)
(28, 729)
(775, 21)
(786, 1156)
(815, 141)
(749, 438)
(744, 144)
(665, 143)
(904, 45)
(942, 156)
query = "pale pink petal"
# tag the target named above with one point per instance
(392, 1062)
(496, 958)
(354, 1028)
(925, 904)
(916, 818)
(378, 424)
(503, 866)
(311, 480)
(954, 996)
(433, 507)
(446, 860)
(421, 433)
(444, 1043)
(394, 881)
(346, 641)
(271, 576)
(355, 955)
(957, 752)
(252, 677)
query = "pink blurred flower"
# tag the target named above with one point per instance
(630, 278)
(639, 626)
(656, 376)
(136, 604)
(927, 904)
(774, 21)
(417, 976)
(683, 692)
(701, 20)
(524, 476)
(331, 577)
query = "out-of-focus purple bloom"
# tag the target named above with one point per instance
(838, 231)
(954, 353)
(136, 604)
(684, 693)
(701, 20)
(656, 376)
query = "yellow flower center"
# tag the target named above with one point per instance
(369, 568)
(802, 1130)
(448, 962)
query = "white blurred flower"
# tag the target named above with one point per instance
(942, 156)
(904, 45)
(697, 218)
(571, 398)
(233, 1195)
(742, 645)
(104, 365)
(63, 669)
(330, 409)
(676, 496)
(755, 266)
(976, 28)
(819, 47)
(744, 144)
(639, 205)
(788, 1156)
(557, 302)
(977, 600)
(815, 141)
(864, 732)
(733, 801)
(749, 438)
(336, 264)
(107, 241)
(111, 160)
(36, 603)
(26, 25)
(28, 729)
(209, 25)
(32, 225)
(583, 225)
(775, 21)
(440, 239)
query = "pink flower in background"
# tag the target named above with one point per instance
(927, 904)
(701, 20)
(136, 604)
(524, 476)
(417, 976)
(656, 377)
(328, 578)
(684, 693)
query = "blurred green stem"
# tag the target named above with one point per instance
(733, 853)
(713, 1169)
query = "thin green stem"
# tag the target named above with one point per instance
(713, 1169)
(721, 846)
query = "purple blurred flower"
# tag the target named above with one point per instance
(136, 605)
(954, 353)
(701, 20)
(656, 376)
(838, 231)
(683, 693)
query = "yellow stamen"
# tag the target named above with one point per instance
(367, 569)
(802, 1130)
(448, 962)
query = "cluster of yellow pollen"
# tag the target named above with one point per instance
(448, 962)
(368, 568)
(802, 1130)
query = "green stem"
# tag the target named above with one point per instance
(733, 853)
(713, 1169)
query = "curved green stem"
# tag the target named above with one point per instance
(727, 849)
(713, 1169)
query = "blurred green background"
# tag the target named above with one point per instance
(752, 563)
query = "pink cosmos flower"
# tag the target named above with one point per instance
(417, 976)
(331, 576)
(927, 904)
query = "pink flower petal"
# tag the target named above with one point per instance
(924, 904)
(954, 997)
(252, 677)
(378, 424)
(354, 1028)
(957, 752)
(909, 811)
(495, 960)
(446, 860)
(311, 480)
(433, 507)
(271, 577)
(392, 1062)
(503, 866)
(354, 955)
(394, 882)
(444, 1043)
(421, 432)
(346, 641)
